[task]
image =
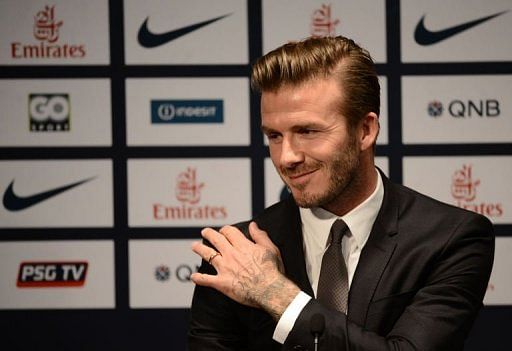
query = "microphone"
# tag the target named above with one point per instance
(317, 326)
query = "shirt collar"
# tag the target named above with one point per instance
(359, 220)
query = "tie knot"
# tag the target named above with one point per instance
(338, 230)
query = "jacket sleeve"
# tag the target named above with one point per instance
(441, 312)
(214, 320)
(219, 323)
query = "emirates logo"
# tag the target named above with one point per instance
(187, 191)
(322, 23)
(464, 192)
(46, 27)
(46, 30)
(463, 185)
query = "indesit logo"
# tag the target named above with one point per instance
(47, 30)
(464, 193)
(188, 192)
(187, 111)
(52, 274)
(482, 108)
(322, 24)
(49, 112)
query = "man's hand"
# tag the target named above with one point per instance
(250, 273)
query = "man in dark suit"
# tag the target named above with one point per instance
(412, 271)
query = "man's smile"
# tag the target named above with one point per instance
(300, 178)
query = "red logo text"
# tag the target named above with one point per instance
(188, 192)
(46, 30)
(322, 24)
(464, 193)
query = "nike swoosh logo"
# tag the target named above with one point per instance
(423, 36)
(150, 40)
(13, 202)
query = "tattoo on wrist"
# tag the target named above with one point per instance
(265, 286)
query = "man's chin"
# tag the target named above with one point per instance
(306, 200)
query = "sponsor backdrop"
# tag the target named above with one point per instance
(127, 126)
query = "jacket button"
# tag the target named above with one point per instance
(298, 347)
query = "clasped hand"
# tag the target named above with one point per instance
(251, 273)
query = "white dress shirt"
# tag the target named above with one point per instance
(316, 225)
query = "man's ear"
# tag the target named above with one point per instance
(368, 131)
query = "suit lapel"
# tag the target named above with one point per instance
(284, 228)
(294, 261)
(375, 256)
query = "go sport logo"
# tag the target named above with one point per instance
(49, 112)
(187, 111)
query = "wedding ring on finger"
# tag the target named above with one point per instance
(212, 256)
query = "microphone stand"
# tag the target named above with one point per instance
(317, 326)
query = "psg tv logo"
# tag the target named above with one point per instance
(52, 274)
(46, 30)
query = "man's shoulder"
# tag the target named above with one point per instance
(284, 211)
(429, 209)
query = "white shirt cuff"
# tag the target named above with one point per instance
(290, 315)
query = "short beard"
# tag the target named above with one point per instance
(342, 169)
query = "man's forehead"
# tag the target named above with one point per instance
(317, 94)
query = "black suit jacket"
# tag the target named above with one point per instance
(419, 283)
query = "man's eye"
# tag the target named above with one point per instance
(306, 131)
(272, 136)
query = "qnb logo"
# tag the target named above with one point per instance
(52, 274)
(162, 273)
(181, 273)
(187, 111)
(466, 108)
(188, 192)
(49, 112)
(435, 108)
(46, 30)
(464, 192)
(322, 23)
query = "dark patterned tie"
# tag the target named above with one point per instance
(333, 283)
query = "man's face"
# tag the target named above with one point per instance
(311, 146)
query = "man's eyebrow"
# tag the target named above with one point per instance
(265, 129)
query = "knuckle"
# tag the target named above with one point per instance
(226, 231)
(213, 240)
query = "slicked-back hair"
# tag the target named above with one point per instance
(295, 63)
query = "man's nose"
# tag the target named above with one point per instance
(291, 153)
